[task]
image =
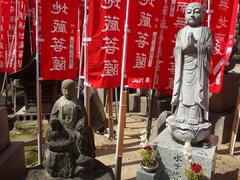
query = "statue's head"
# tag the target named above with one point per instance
(194, 14)
(68, 88)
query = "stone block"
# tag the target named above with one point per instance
(143, 175)
(172, 161)
(134, 102)
(227, 98)
(161, 105)
(221, 125)
(12, 161)
(144, 105)
(4, 130)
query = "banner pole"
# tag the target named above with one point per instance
(39, 116)
(149, 120)
(209, 13)
(3, 84)
(150, 114)
(15, 62)
(86, 88)
(80, 52)
(235, 125)
(122, 114)
(116, 103)
(110, 113)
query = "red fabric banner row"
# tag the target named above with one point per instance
(223, 25)
(150, 43)
(12, 14)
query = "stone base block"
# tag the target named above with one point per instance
(12, 161)
(144, 105)
(173, 163)
(100, 172)
(160, 106)
(227, 98)
(134, 102)
(4, 130)
(222, 124)
(143, 175)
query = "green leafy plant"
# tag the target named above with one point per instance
(194, 172)
(149, 154)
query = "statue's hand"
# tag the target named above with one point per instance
(191, 44)
(191, 40)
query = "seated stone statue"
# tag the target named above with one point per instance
(70, 142)
(192, 54)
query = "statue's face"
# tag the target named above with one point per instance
(194, 14)
(68, 92)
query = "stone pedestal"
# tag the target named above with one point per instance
(100, 172)
(172, 161)
(134, 102)
(12, 161)
(144, 105)
(222, 125)
(4, 130)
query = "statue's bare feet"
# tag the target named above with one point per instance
(180, 119)
(193, 122)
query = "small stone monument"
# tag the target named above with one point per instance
(192, 54)
(10, 152)
(70, 142)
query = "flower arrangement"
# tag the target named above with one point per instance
(194, 171)
(149, 154)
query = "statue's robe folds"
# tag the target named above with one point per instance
(73, 118)
(192, 70)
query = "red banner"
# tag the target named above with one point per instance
(223, 25)
(105, 28)
(142, 46)
(4, 22)
(18, 12)
(171, 22)
(59, 40)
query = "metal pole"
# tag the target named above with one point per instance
(149, 120)
(86, 88)
(209, 13)
(116, 103)
(110, 113)
(15, 63)
(3, 84)
(235, 125)
(120, 135)
(150, 114)
(206, 113)
(39, 116)
(80, 53)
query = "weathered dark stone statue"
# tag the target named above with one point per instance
(70, 142)
(192, 54)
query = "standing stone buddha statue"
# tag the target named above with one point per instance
(192, 55)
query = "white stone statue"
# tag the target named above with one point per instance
(192, 54)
